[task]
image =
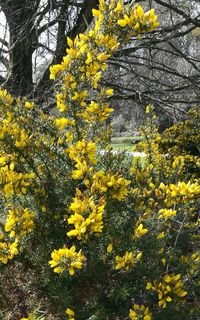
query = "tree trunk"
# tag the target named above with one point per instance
(21, 24)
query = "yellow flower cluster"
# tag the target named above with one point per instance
(158, 194)
(8, 250)
(138, 20)
(182, 162)
(14, 182)
(70, 313)
(5, 97)
(10, 128)
(140, 312)
(10, 125)
(140, 231)
(83, 151)
(128, 260)
(19, 222)
(166, 213)
(64, 122)
(66, 259)
(193, 262)
(165, 178)
(88, 216)
(182, 141)
(88, 210)
(186, 191)
(170, 287)
(20, 157)
(84, 154)
(172, 194)
(97, 112)
(114, 184)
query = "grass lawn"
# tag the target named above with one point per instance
(124, 143)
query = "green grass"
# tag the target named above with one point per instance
(124, 143)
(122, 146)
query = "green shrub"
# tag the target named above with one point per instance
(85, 235)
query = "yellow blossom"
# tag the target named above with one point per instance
(87, 218)
(29, 105)
(70, 313)
(160, 235)
(63, 122)
(66, 259)
(109, 248)
(8, 250)
(6, 97)
(139, 312)
(127, 261)
(140, 231)
(166, 213)
(171, 286)
(20, 222)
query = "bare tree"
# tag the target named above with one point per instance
(162, 69)
(34, 25)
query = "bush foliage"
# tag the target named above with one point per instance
(86, 234)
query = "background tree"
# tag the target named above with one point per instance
(38, 29)
(163, 69)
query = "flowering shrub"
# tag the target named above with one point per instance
(183, 140)
(120, 236)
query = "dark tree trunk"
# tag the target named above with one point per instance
(21, 24)
(21, 17)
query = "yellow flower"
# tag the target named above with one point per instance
(70, 42)
(160, 235)
(167, 289)
(83, 151)
(44, 209)
(5, 97)
(88, 216)
(63, 122)
(66, 259)
(124, 22)
(96, 13)
(54, 70)
(103, 57)
(109, 248)
(127, 261)
(81, 169)
(102, 5)
(29, 105)
(139, 12)
(70, 313)
(140, 231)
(148, 108)
(109, 92)
(20, 222)
(8, 251)
(119, 7)
(166, 213)
(139, 312)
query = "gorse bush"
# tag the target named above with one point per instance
(86, 235)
